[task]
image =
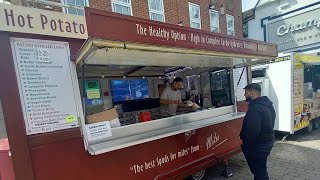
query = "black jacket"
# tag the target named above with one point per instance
(258, 124)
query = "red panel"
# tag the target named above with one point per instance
(196, 166)
(6, 168)
(242, 106)
(12, 113)
(68, 160)
(112, 26)
(19, 144)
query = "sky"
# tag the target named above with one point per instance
(248, 4)
(3, 1)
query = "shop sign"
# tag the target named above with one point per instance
(36, 21)
(280, 59)
(98, 131)
(300, 30)
(115, 27)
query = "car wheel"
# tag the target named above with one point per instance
(316, 123)
(201, 175)
(309, 128)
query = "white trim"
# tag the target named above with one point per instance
(157, 12)
(296, 13)
(129, 5)
(127, 136)
(192, 21)
(218, 24)
(232, 17)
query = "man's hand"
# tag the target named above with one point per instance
(177, 102)
(163, 101)
(182, 105)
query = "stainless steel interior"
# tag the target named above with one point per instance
(115, 60)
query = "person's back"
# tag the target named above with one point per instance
(257, 131)
(263, 107)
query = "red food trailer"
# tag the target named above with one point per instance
(90, 110)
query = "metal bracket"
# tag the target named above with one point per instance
(188, 134)
(227, 172)
(285, 137)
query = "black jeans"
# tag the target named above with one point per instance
(256, 156)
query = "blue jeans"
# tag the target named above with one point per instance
(256, 156)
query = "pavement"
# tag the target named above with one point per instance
(297, 158)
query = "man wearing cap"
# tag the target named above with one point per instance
(170, 98)
(257, 131)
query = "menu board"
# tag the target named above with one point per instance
(240, 76)
(44, 74)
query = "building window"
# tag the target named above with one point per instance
(78, 3)
(122, 7)
(214, 20)
(194, 13)
(230, 25)
(156, 10)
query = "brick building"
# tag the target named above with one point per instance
(209, 15)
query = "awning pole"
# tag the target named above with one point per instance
(83, 89)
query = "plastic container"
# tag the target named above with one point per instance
(145, 116)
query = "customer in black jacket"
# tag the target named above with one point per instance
(257, 131)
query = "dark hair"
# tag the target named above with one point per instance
(177, 79)
(253, 87)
